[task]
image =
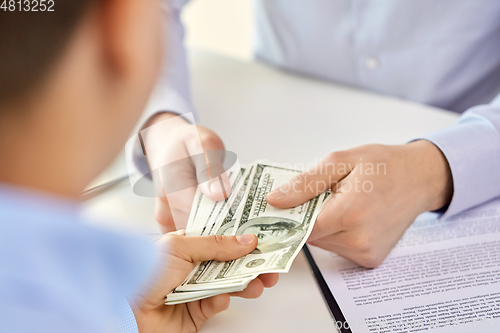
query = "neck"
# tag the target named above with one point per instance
(32, 156)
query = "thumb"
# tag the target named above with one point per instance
(308, 185)
(216, 247)
(217, 188)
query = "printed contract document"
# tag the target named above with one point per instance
(443, 276)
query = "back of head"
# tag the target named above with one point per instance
(73, 82)
(32, 41)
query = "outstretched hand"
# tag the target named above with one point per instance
(378, 191)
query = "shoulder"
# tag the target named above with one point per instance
(57, 269)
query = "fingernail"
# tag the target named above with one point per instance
(245, 239)
(278, 194)
(215, 186)
(181, 232)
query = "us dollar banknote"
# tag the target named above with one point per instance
(281, 233)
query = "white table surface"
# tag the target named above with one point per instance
(263, 113)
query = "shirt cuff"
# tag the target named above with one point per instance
(166, 99)
(472, 148)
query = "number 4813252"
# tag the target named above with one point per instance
(28, 5)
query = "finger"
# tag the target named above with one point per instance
(173, 208)
(308, 185)
(214, 305)
(214, 182)
(364, 244)
(218, 188)
(343, 210)
(221, 248)
(254, 289)
(361, 257)
(180, 204)
(163, 215)
(328, 245)
(180, 232)
(200, 311)
(269, 280)
(332, 218)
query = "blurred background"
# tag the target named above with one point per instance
(220, 26)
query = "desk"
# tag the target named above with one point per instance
(263, 113)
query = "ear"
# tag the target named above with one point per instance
(131, 33)
(114, 17)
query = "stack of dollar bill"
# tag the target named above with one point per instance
(281, 232)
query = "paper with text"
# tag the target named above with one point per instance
(443, 276)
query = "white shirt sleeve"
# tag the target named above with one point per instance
(172, 92)
(472, 148)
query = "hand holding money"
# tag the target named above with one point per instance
(177, 255)
(178, 139)
(281, 233)
(380, 190)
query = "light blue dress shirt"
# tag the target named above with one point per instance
(444, 53)
(58, 274)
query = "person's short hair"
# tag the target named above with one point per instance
(31, 42)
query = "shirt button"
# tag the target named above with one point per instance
(372, 63)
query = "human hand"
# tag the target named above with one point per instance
(179, 253)
(378, 191)
(177, 141)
